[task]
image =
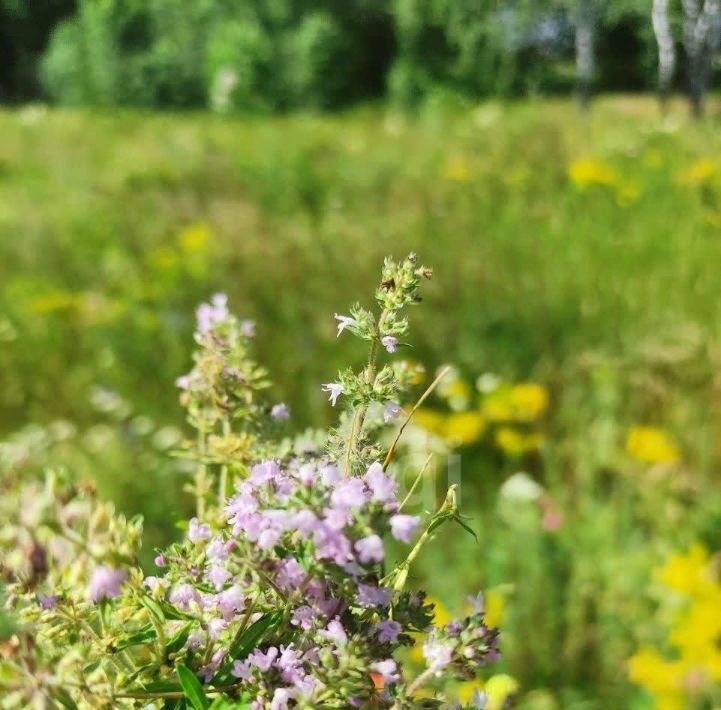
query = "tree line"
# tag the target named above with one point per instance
(269, 55)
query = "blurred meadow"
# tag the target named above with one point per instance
(575, 294)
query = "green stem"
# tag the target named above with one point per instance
(362, 409)
(201, 476)
(223, 482)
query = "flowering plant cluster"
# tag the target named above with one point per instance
(281, 593)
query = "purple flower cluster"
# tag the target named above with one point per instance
(310, 539)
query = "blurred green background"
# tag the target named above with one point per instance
(153, 153)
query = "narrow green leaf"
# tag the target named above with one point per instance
(192, 688)
(63, 697)
(177, 641)
(147, 633)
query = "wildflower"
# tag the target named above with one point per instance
(345, 322)
(211, 314)
(698, 173)
(208, 671)
(263, 661)
(335, 632)
(389, 343)
(159, 561)
(388, 670)
(477, 603)
(334, 390)
(437, 655)
(456, 169)
(48, 602)
(382, 487)
(388, 631)
(499, 688)
(370, 549)
(280, 412)
(391, 411)
(529, 400)
(464, 428)
(183, 595)
(349, 494)
(242, 670)
(154, 584)
(370, 596)
(479, 699)
(198, 532)
(105, 583)
(651, 445)
(515, 443)
(521, 487)
(230, 601)
(183, 382)
(403, 526)
(247, 328)
(218, 576)
(588, 171)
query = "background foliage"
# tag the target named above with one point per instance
(283, 54)
(578, 255)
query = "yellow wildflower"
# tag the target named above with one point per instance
(589, 171)
(441, 615)
(698, 173)
(651, 445)
(499, 688)
(516, 443)
(648, 668)
(52, 302)
(529, 400)
(495, 605)
(498, 406)
(463, 428)
(433, 422)
(455, 168)
(688, 573)
(194, 238)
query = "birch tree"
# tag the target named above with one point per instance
(701, 34)
(585, 20)
(666, 47)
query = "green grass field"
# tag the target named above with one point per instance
(581, 253)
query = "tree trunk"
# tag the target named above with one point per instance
(666, 48)
(585, 63)
(701, 35)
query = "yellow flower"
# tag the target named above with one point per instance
(688, 573)
(651, 445)
(516, 443)
(463, 428)
(588, 171)
(433, 422)
(194, 238)
(456, 168)
(529, 400)
(498, 406)
(698, 173)
(52, 302)
(499, 687)
(649, 669)
(441, 615)
(465, 691)
(522, 402)
(495, 607)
